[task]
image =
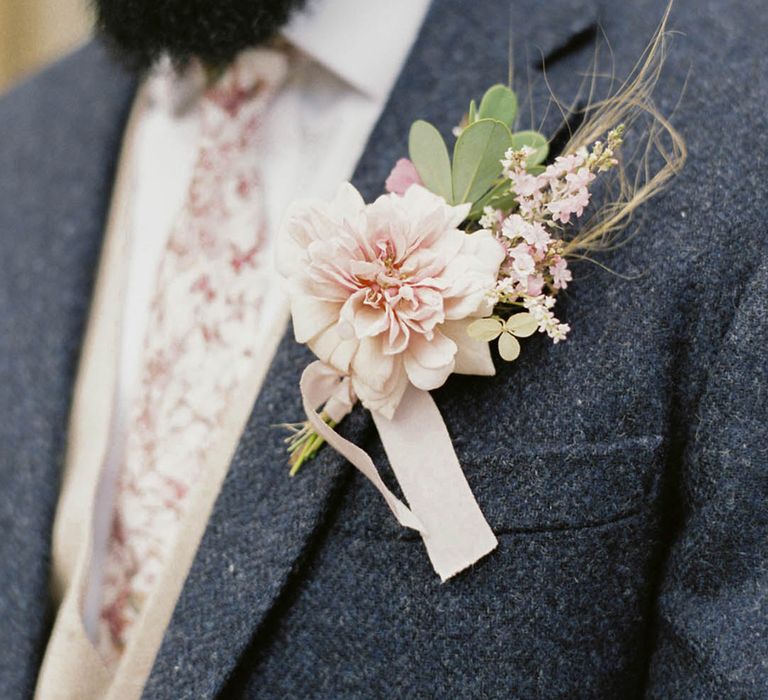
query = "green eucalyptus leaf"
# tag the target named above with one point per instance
(472, 116)
(498, 193)
(477, 158)
(505, 202)
(499, 102)
(429, 155)
(534, 140)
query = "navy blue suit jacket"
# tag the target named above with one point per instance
(624, 471)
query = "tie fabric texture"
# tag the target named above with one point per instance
(200, 339)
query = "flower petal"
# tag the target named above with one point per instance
(304, 221)
(425, 378)
(347, 202)
(472, 274)
(372, 365)
(362, 318)
(388, 399)
(429, 363)
(472, 356)
(334, 350)
(312, 316)
(403, 175)
(434, 353)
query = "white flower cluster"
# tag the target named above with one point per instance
(540, 307)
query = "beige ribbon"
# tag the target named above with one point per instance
(442, 507)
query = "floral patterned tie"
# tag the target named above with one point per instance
(200, 341)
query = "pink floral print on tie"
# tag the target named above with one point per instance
(199, 344)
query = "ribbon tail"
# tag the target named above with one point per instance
(420, 451)
(315, 391)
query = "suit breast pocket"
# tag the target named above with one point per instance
(560, 609)
(552, 487)
(546, 487)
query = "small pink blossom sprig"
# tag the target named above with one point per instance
(546, 201)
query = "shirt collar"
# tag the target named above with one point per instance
(364, 42)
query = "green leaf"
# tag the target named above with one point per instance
(534, 140)
(498, 193)
(485, 329)
(472, 116)
(504, 203)
(522, 325)
(499, 102)
(429, 154)
(509, 347)
(477, 158)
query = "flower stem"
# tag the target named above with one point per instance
(304, 444)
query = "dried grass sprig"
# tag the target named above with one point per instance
(660, 156)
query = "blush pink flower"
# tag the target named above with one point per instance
(560, 273)
(403, 175)
(533, 233)
(383, 293)
(534, 285)
(523, 263)
(569, 181)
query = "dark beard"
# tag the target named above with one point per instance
(214, 31)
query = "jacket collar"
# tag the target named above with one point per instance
(264, 525)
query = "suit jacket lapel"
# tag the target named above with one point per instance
(61, 134)
(263, 522)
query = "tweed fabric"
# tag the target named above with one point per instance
(59, 140)
(624, 471)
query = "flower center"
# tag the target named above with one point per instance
(385, 281)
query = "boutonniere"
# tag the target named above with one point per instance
(467, 249)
